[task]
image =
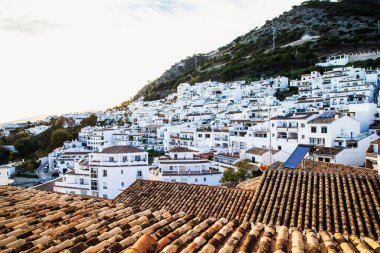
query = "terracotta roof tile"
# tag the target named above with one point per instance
(38, 221)
(208, 201)
(260, 151)
(181, 150)
(121, 149)
(334, 202)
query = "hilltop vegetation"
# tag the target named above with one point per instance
(345, 26)
(30, 148)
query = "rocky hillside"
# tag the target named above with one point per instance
(345, 26)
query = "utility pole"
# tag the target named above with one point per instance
(270, 140)
(274, 37)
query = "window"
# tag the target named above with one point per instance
(208, 135)
(200, 135)
(317, 141)
(279, 147)
(94, 185)
(327, 160)
(302, 125)
(320, 159)
(324, 130)
(139, 173)
(122, 184)
(204, 179)
(125, 158)
(313, 129)
(94, 172)
(105, 196)
(253, 159)
(196, 180)
(302, 136)
(105, 186)
(122, 171)
(173, 180)
(137, 158)
(112, 159)
(81, 181)
(171, 167)
(104, 173)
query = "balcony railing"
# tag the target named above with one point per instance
(181, 159)
(372, 155)
(201, 172)
(117, 163)
(186, 138)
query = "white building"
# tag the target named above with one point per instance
(184, 165)
(5, 172)
(262, 156)
(107, 172)
(37, 129)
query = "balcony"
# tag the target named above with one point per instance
(372, 155)
(186, 138)
(200, 172)
(287, 127)
(167, 158)
(121, 163)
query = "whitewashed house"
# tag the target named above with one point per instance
(184, 165)
(107, 172)
(5, 172)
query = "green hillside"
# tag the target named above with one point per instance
(343, 27)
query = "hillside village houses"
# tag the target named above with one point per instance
(336, 112)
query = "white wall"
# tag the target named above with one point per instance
(115, 178)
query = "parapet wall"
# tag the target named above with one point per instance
(363, 56)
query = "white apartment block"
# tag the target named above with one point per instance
(186, 166)
(106, 173)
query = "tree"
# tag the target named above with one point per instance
(59, 122)
(4, 155)
(89, 121)
(242, 173)
(228, 176)
(58, 137)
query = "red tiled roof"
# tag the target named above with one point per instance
(121, 150)
(37, 221)
(208, 201)
(181, 150)
(260, 151)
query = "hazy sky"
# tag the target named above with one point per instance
(60, 56)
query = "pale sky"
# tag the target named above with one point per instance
(59, 56)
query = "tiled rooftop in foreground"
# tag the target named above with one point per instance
(208, 201)
(344, 203)
(38, 221)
